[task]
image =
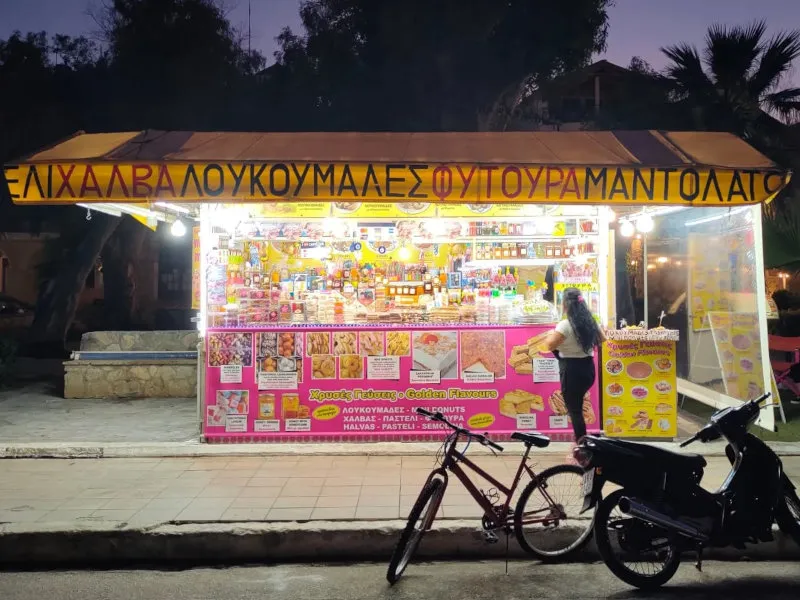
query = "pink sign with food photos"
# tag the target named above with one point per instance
(362, 384)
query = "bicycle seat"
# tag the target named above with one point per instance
(531, 439)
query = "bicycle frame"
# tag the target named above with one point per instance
(453, 461)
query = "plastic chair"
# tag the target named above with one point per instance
(782, 369)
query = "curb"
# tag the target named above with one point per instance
(194, 449)
(256, 542)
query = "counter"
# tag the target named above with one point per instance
(640, 397)
(362, 383)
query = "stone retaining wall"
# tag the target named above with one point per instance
(139, 340)
(130, 379)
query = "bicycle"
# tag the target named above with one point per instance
(496, 517)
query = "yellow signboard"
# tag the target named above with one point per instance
(478, 211)
(384, 182)
(640, 395)
(289, 210)
(381, 210)
(738, 345)
(709, 278)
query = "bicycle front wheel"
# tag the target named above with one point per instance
(547, 520)
(419, 521)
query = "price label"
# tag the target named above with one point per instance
(470, 377)
(383, 367)
(236, 424)
(425, 376)
(298, 424)
(526, 421)
(230, 374)
(277, 381)
(545, 370)
(266, 426)
(559, 422)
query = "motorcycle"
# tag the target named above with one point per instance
(662, 512)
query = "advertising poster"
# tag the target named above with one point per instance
(709, 280)
(738, 345)
(365, 383)
(195, 268)
(640, 389)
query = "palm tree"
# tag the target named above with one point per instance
(736, 84)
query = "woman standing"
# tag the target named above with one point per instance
(573, 342)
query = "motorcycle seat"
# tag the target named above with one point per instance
(668, 459)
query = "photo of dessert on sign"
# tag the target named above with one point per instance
(351, 366)
(484, 352)
(639, 370)
(614, 366)
(519, 402)
(279, 352)
(230, 349)
(522, 356)
(371, 343)
(559, 407)
(436, 351)
(398, 343)
(235, 402)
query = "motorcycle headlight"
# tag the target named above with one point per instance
(583, 456)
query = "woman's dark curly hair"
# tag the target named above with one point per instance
(581, 320)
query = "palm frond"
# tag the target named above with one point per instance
(686, 71)
(776, 60)
(731, 52)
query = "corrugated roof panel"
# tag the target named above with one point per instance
(84, 146)
(554, 148)
(718, 150)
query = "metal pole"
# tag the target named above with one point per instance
(644, 266)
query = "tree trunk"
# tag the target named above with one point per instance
(58, 296)
(120, 274)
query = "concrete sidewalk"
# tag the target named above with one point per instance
(225, 508)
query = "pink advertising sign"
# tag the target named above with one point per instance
(335, 383)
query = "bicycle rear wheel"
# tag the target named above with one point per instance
(419, 521)
(547, 520)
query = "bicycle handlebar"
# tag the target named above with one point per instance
(478, 437)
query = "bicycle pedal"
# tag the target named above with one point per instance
(490, 538)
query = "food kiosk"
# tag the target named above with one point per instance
(346, 279)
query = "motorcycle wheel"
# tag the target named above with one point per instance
(617, 535)
(788, 514)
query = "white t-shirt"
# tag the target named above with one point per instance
(570, 347)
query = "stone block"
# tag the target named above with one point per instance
(130, 379)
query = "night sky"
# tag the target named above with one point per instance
(638, 27)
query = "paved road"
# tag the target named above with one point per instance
(484, 580)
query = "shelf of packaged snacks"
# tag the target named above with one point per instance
(521, 262)
(367, 325)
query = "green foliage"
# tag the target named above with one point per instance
(382, 65)
(169, 64)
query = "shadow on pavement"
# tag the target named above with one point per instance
(754, 587)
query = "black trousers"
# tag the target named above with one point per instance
(577, 376)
